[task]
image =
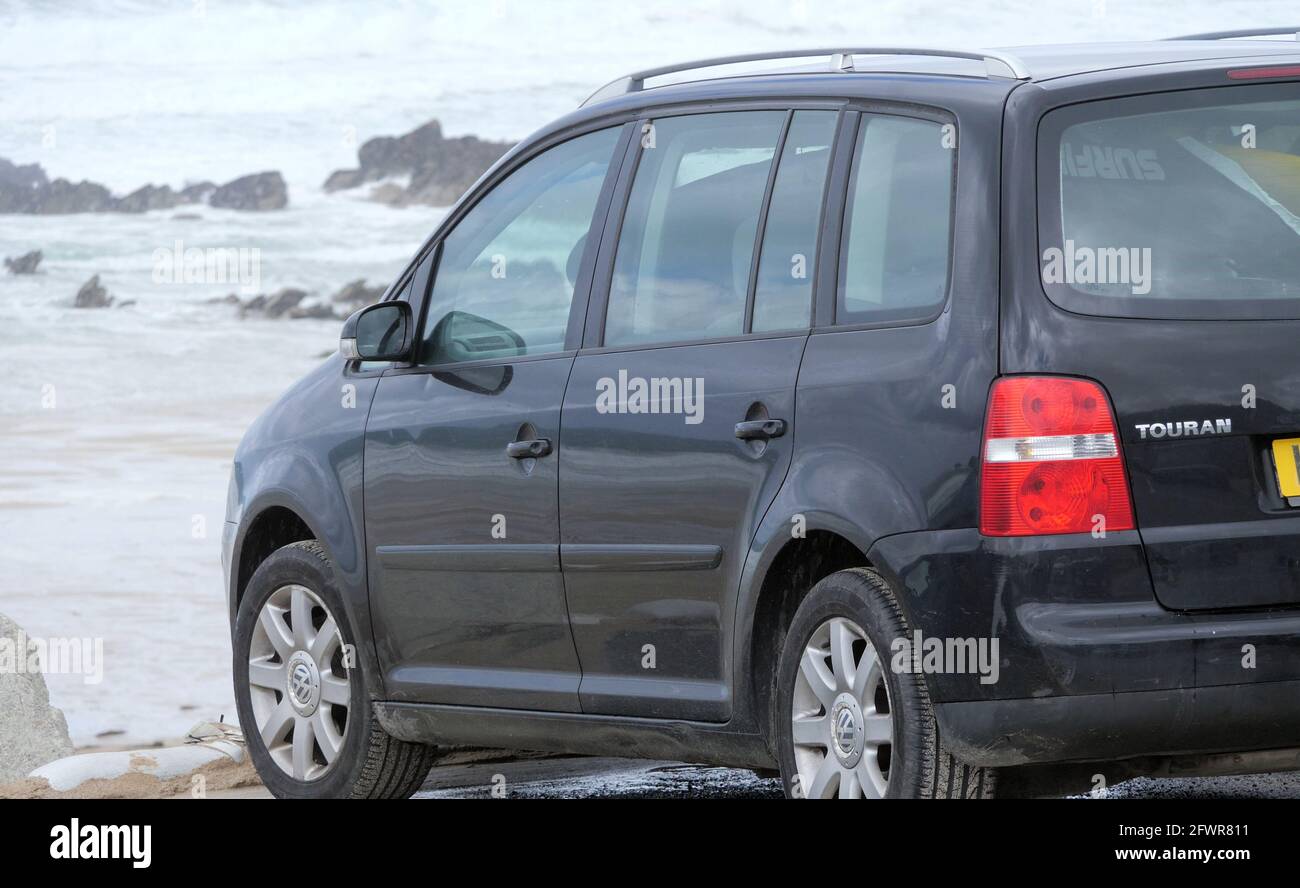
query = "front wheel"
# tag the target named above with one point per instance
(301, 696)
(846, 724)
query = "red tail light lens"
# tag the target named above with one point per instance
(1051, 460)
(1264, 73)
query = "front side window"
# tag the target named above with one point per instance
(1174, 205)
(506, 275)
(897, 225)
(682, 267)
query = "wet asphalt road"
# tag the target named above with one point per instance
(586, 778)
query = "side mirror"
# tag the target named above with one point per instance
(380, 332)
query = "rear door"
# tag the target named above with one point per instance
(679, 417)
(1170, 230)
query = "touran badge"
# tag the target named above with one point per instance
(1186, 429)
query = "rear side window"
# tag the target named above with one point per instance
(783, 291)
(897, 225)
(682, 267)
(1175, 205)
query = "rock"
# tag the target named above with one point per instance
(32, 732)
(150, 197)
(162, 197)
(288, 302)
(198, 192)
(260, 191)
(357, 295)
(278, 304)
(24, 264)
(26, 189)
(62, 196)
(15, 176)
(388, 155)
(283, 301)
(445, 176)
(389, 193)
(92, 295)
(319, 311)
(340, 180)
(440, 168)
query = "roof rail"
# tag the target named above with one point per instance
(1292, 32)
(841, 59)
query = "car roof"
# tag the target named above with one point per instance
(981, 76)
(1050, 62)
(1034, 64)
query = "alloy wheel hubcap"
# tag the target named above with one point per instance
(299, 683)
(841, 720)
(303, 680)
(846, 730)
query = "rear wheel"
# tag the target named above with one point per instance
(302, 700)
(846, 724)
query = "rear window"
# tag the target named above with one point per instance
(1174, 205)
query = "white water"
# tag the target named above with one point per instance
(102, 493)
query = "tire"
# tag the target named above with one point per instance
(366, 761)
(856, 612)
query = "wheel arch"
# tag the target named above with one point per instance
(783, 569)
(276, 519)
(269, 529)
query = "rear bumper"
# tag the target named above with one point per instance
(1091, 667)
(1108, 727)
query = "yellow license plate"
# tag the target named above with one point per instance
(1286, 456)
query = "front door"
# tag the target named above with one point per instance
(462, 447)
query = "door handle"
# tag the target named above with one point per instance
(760, 429)
(534, 449)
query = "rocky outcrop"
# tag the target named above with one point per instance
(277, 305)
(162, 197)
(92, 295)
(32, 732)
(62, 196)
(356, 295)
(296, 304)
(24, 264)
(439, 168)
(14, 176)
(26, 189)
(260, 191)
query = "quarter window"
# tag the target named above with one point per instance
(894, 259)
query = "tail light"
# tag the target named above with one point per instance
(1052, 461)
(1264, 73)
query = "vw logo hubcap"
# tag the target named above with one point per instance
(846, 730)
(303, 683)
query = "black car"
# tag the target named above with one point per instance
(919, 424)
